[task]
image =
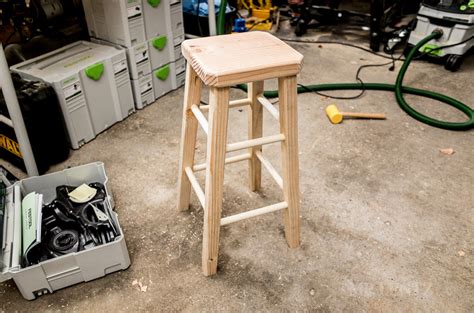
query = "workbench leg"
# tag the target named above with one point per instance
(192, 95)
(255, 130)
(289, 154)
(216, 152)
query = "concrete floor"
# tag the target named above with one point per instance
(386, 217)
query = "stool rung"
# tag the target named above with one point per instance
(269, 106)
(200, 117)
(254, 142)
(245, 215)
(195, 184)
(232, 104)
(233, 159)
(270, 169)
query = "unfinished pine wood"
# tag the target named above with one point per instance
(254, 142)
(289, 155)
(195, 184)
(252, 213)
(255, 130)
(270, 169)
(269, 106)
(229, 160)
(192, 95)
(232, 104)
(239, 58)
(200, 117)
(375, 116)
(215, 161)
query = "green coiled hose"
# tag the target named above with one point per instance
(400, 90)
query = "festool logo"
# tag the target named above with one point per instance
(77, 61)
(69, 80)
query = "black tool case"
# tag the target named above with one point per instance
(44, 124)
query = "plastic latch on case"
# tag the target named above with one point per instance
(162, 73)
(159, 42)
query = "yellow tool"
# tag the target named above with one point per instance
(261, 14)
(336, 117)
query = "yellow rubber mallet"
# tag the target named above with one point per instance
(336, 117)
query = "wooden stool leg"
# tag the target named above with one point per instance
(289, 154)
(255, 130)
(216, 151)
(192, 95)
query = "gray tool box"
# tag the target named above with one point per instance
(159, 25)
(140, 72)
(178, 54)
(138, 57)
(143, 91)
(156, 16)
(177, 25)
(168, 77)
(161, 51)
(117, 21)
(92, 84)
(66, 270)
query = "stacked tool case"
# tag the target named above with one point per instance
(92, 84)
(151, 31)
(70, 268)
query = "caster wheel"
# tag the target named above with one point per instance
(301, 28)
(453, 62)
(407, 50)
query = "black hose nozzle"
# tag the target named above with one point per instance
(438, 32)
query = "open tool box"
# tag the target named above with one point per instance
(59, 271)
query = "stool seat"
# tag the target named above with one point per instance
(239, 58)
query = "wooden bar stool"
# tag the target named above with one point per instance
(221, 62)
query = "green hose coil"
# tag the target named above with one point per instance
(400, 90)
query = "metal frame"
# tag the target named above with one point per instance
(9, 93)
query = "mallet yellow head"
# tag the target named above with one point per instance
(333, 114)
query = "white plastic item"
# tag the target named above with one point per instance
(161, 50)
(456, 28)
(92, 84)
(157, 18)
(117, 21)
(177, 26)
(60, 272)
(166, 77)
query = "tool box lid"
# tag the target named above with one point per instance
(66, 61)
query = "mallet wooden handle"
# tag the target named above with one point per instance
(377, 116)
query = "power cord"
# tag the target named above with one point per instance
(336, 43)
(359, 70)
(358, 79)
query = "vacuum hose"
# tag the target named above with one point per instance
(400, 90)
